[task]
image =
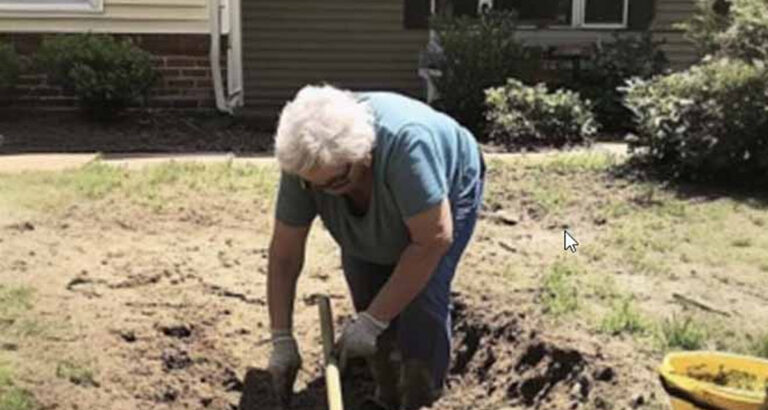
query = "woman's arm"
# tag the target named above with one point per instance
(431, 237)
(286, 259)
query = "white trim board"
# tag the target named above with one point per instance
(47, 6)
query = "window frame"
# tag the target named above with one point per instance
(578, 13)
(57, 6)
(583, 12)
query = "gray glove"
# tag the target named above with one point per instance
(284, 364)
(358, 339)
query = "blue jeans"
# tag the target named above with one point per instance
(423, 328)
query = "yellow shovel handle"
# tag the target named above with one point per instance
(332, 374)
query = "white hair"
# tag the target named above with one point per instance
(323, 126)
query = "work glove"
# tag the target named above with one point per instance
(284, 365)
(358, 339)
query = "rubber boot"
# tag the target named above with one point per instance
(417, 387)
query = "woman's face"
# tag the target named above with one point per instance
(337, 179)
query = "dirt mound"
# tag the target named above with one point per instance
(500, 360)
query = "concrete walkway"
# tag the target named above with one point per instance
(10, 164)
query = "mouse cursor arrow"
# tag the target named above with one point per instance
(569, 242)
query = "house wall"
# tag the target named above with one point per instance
(118, 16)
(680, 51)
(175, 31)
(357, 44)
(181, 60)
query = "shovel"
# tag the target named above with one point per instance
(332, 374)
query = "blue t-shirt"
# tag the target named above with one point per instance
(421, 156)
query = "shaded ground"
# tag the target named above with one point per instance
(148, 131)
(146, 289)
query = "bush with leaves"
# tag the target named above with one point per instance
(730, 28)
(475, 54)
(520, 116)
(610, 65)
(709, 20)
(10, 64)
(106, 74)
(709, 122)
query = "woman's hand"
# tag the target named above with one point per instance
(284, 365)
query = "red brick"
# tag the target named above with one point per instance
(198, 72)
(179, 62)
(185, 103)
(181, 83)
(169, 72)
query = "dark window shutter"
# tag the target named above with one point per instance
(641, 14)
(416, 14)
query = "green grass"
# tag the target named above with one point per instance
(759, 346)
(11, 396)
(155, 186)
(624, 318)
(13, 302)
(682, 334)
(76, 373)
(559, 292)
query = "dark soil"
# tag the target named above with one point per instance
(138, 131)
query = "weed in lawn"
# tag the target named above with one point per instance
(684, 334)
(624, 318)
(76, 373)
(741, 243)
(12, 397)
(560, 295)
(759, 346)
(14, 300)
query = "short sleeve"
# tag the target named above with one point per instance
(295, 204)
(416, 171)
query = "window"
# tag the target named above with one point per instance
(573, 13)
(52, 5)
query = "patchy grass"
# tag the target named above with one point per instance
(759, 346)
(682, 334)
(77, 373)
(156, 186)
(14, 300)
(559, 293)
(624, 318)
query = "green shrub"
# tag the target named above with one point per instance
(706, 24)
(106, 74)
(730, 28)
(747, 35)
(10, 66)
(522, 116)
(610, 65)
(476, 53)
(709, 122)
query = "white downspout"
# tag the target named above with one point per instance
(215, 56)
(235, 95)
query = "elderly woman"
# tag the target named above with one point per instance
(398, 185)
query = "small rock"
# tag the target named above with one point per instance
(128, 335)
(175, 360)
(605, 375)
(637, 401)
(10, 347)
(177, 331)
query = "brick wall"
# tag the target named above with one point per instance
(181, 60)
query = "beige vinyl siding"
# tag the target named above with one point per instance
(118, 16)
(357, 44)
(680, 51)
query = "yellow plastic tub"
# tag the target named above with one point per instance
(681, 376)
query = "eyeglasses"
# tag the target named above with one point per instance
(336, 182)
